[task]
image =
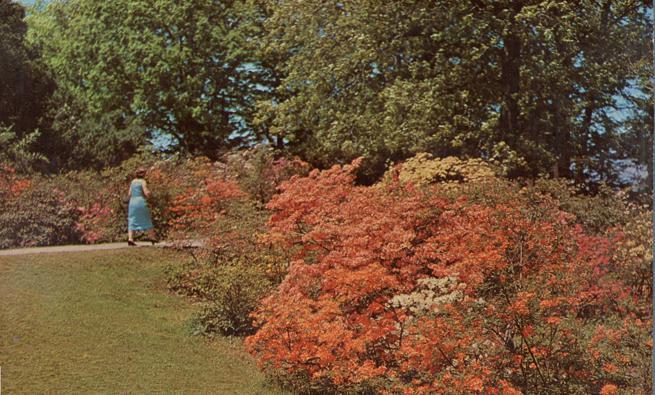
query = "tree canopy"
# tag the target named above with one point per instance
(174, 68)
(535, 84)
(24, 87)
(539, 87)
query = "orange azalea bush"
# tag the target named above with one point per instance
(397, 289)
(196, 209)
(222, 209)
(188, 194)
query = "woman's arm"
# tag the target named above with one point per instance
(146, 191)
(129, 192)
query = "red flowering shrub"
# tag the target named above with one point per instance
(200, 206)
(233, 270)
(101, 198)
(91, 221)
(396, 289)
(36, 213)
(11, 185)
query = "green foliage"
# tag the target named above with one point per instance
(190, 278)
(101, 141)
(598, 212)
(19, 152)
(24, 86)
(236, 292)
(528, 83)
(232, 271)
(229, 294)
(179, 68)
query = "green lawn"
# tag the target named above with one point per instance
(103, 322)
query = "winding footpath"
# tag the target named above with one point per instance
(87, 248)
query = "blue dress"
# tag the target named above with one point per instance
(138, 215)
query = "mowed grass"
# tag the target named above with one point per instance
(103, 322)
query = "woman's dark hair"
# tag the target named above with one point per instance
(141, 172)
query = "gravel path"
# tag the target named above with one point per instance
(85, 247)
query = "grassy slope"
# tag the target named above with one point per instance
(103, 322)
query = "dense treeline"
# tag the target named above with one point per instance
(534, 84)
(24, 89)
(540, 87)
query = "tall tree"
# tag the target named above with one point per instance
(533, 84)
(24, 87)
(178, 69)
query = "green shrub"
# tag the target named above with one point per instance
(596, 213)
(234, 269)
(235, 293)
(229, 294)
(259, 172)
(193, 279)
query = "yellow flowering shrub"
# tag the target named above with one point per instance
(423, 169)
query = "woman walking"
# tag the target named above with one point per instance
(138, 215)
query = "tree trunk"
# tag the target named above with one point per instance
(562, 144)
(510, 80)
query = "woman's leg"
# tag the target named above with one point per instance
(130, 235)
